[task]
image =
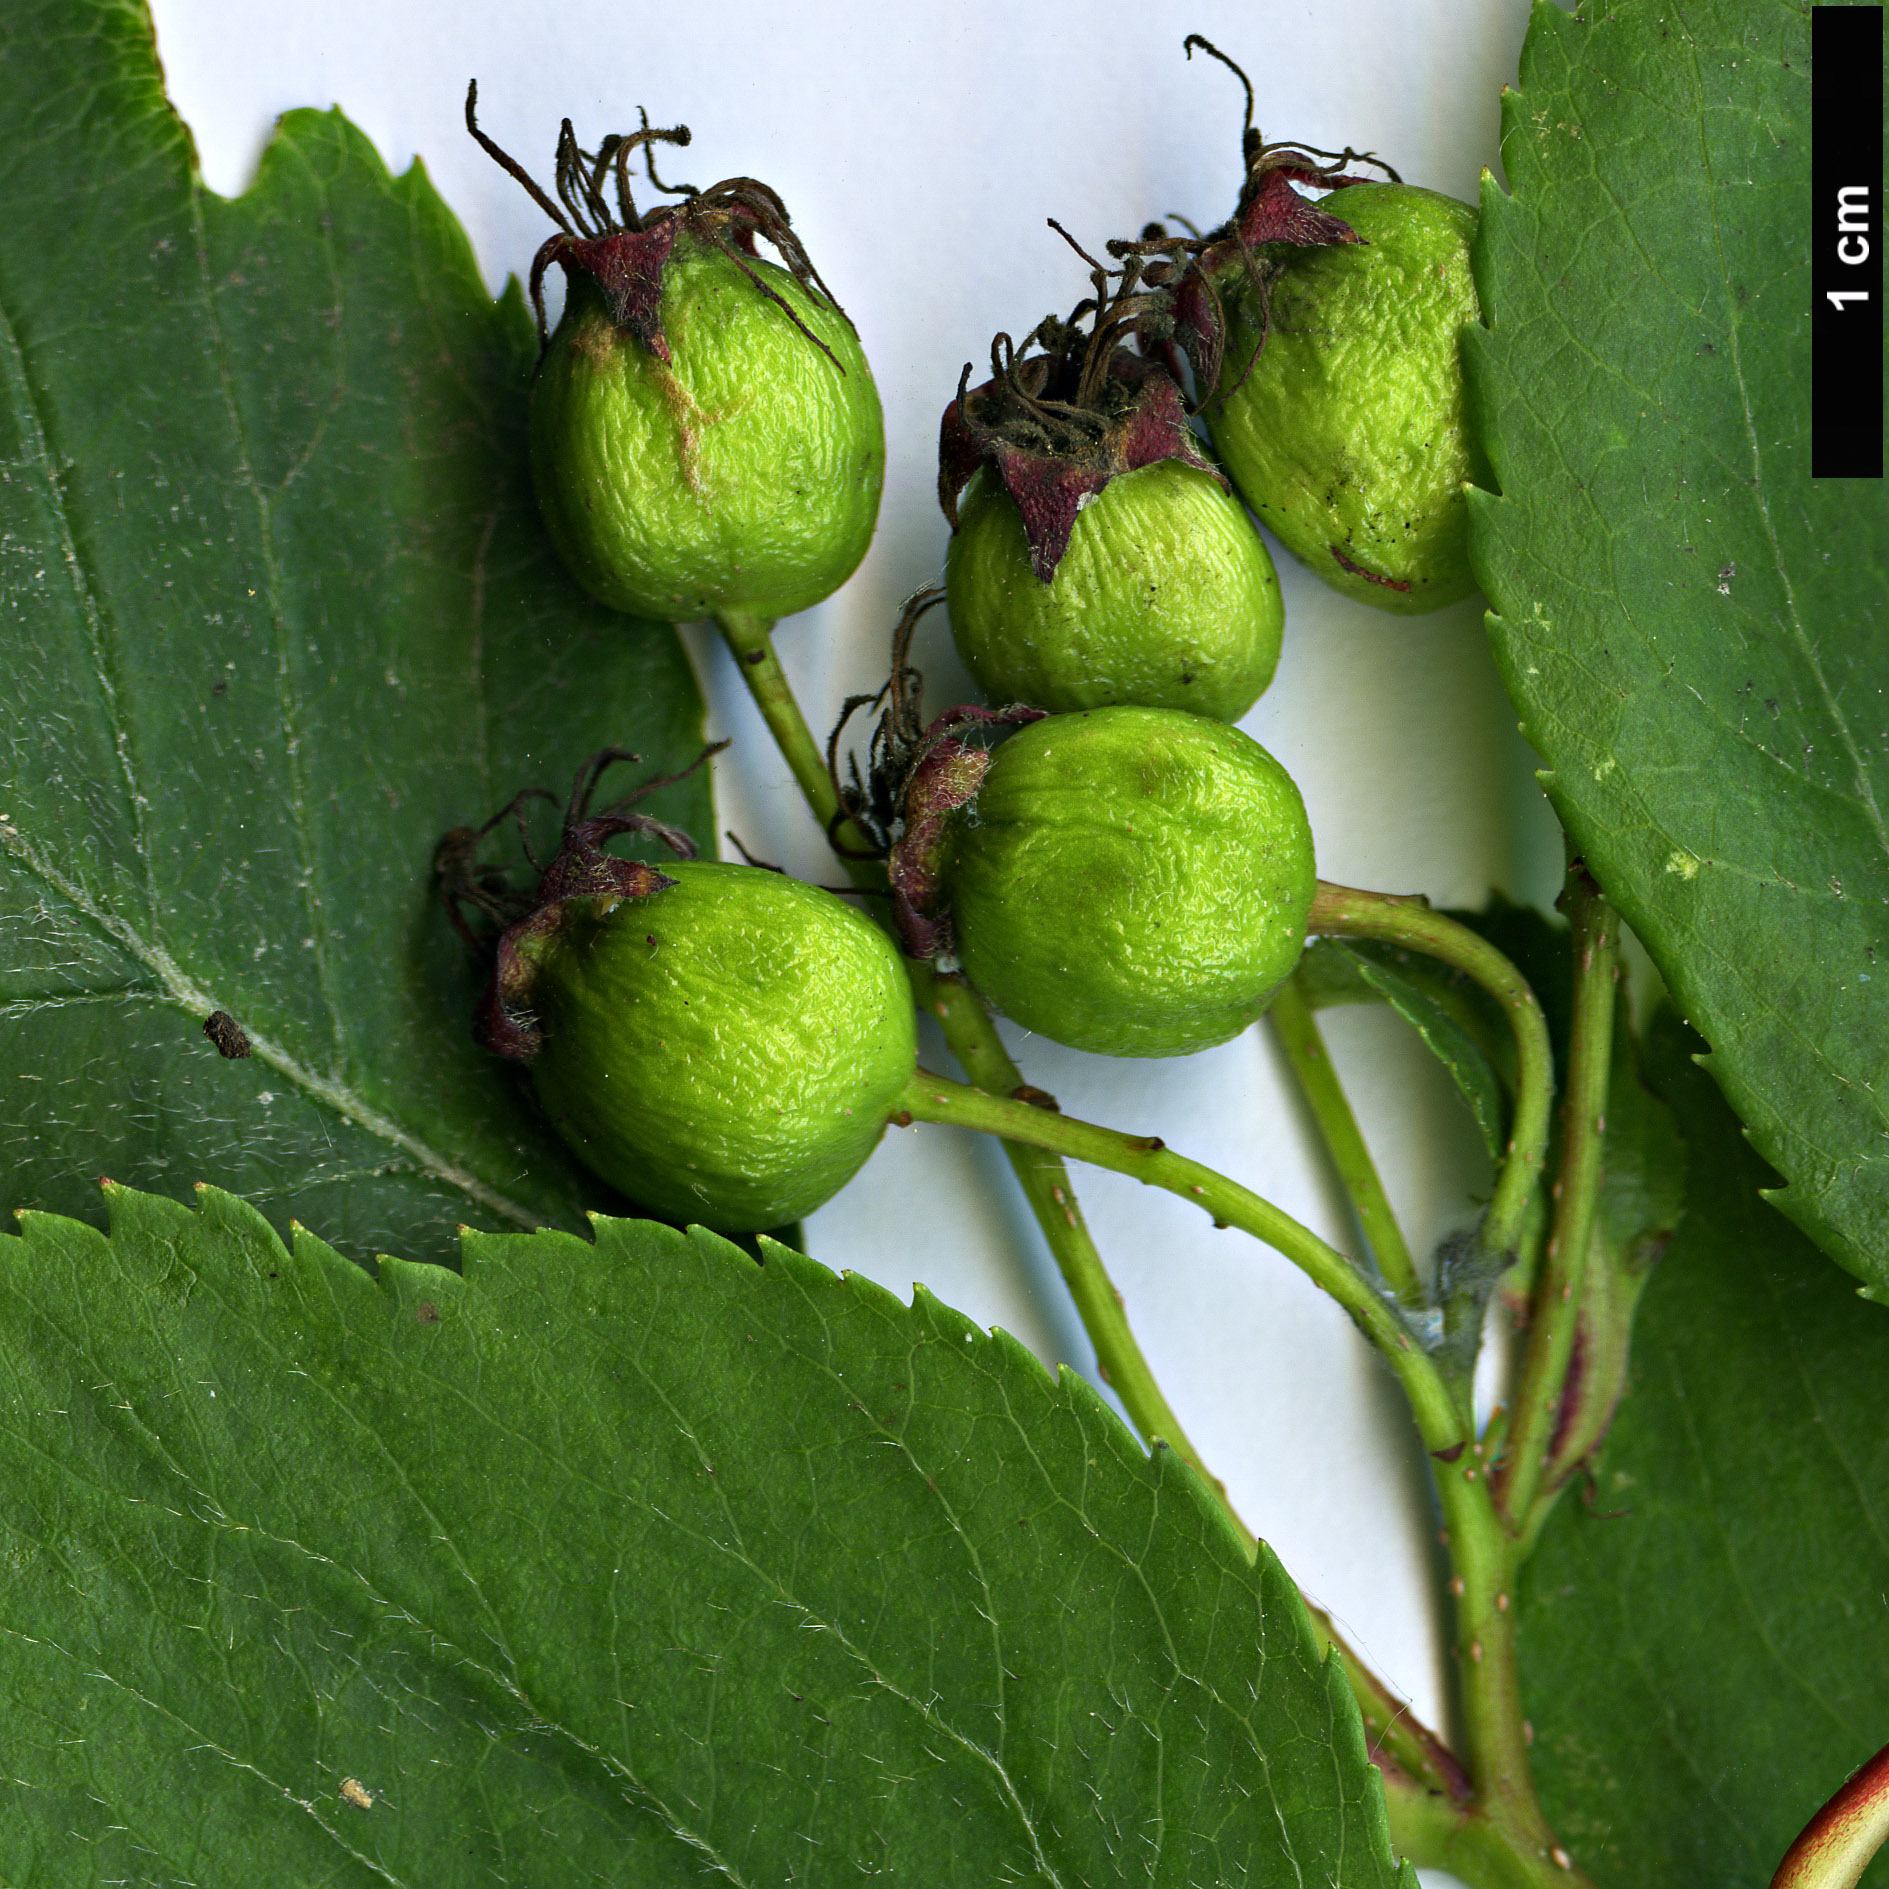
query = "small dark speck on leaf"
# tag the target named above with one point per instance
(220, 688)
(426, 1312)
(226, 1033)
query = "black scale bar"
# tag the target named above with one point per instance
(1846, 240)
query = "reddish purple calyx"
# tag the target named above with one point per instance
(1271, 211)
(1052, 479)
(627, 265)
(945, 777)
(582, 871)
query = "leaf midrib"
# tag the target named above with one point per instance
(183, 993)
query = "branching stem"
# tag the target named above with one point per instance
(1298, 1032)
(972, 1038)
(1503, 1831)
(1341, 912)
(1148, 1159)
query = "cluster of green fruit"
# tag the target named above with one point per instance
(1116, 867)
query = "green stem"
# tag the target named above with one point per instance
(972, 1038)
(1484, 1556)
(750, 641)
(1434, 1833)
(930, 1098)
(1033, 1140)
(1558, 1296)
(1483, 1550)
(1506, 1818)
(1298, 1034)
(1340, 912)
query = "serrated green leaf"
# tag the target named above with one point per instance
(276, 612)
(614, 1563)
(1705, 1641)
(1689, 624)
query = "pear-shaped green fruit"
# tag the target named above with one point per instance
(726, 1050)
(741, 475)
(1347, 436)
(1133, 881)
(1166, 596)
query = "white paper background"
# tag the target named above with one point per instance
(920, 151)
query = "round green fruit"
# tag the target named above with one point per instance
(742, 475)
(1347, 436)
(1134, 881)
(1166, 596)
(726, 1050)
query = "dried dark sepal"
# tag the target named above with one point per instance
(946, 773)
(1057, 424)
(625, 251)
(582, 870)
(1185, 313)
(918, 774)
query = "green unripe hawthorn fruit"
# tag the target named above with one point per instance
(1096, 557)
(1165, 596)
(724, 1050)
(1347, 435)
(705, 434)
(741, 474)
(1134, 881)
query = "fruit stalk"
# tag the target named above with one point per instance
(972, 1038)
(1558, 1294)
(1501, 1840)
(1306, 1055)
(933, 1098)
(1342, 912)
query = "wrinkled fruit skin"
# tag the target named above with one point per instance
(1135, 881)
(1347, 438)
(738, 1070)
(743, 476)
(1166, 596)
